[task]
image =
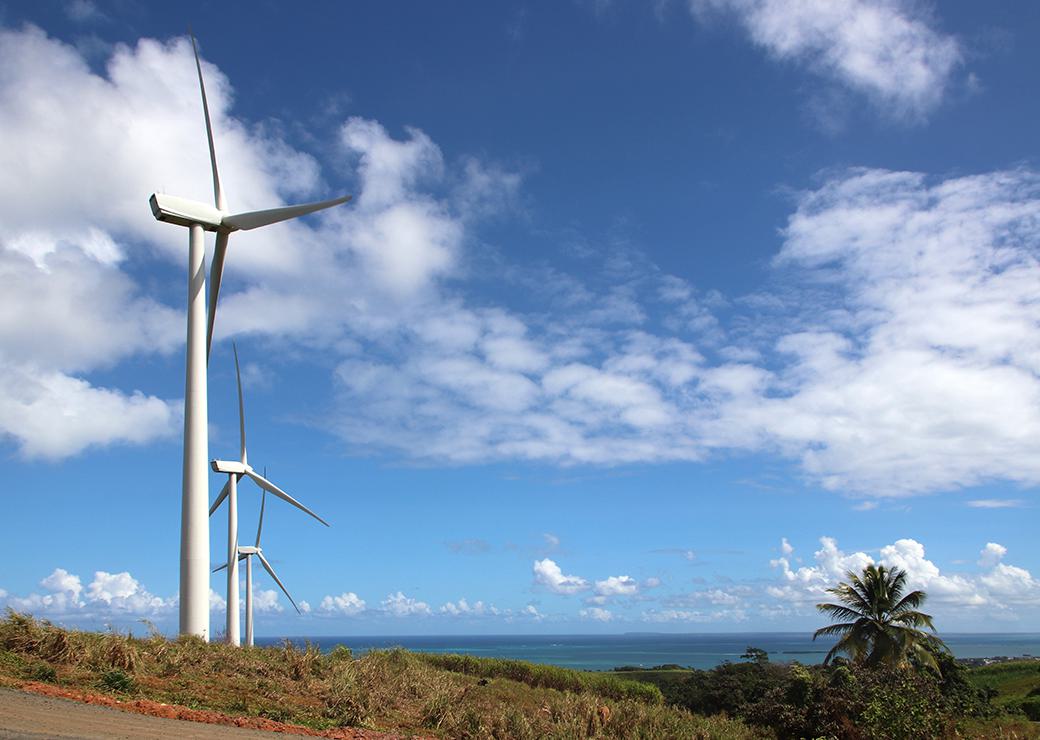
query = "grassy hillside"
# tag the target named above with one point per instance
(1015, 685)
(389, 690)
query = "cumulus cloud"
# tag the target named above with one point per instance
(889, 51)
(399, 605)
(52, 415)
(462, 608)
(109, 595)
(348, 604)
(531, 611)
(265, 600)
(615, 586)
(548, 574)
(996, 590)
(596, 613)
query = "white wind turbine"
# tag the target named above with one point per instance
(247, 553)
(199, 218)
(235, 470)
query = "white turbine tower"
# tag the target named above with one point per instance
(201, 217)
(247, 553)
(235, 471)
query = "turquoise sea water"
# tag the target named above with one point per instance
(603, 652)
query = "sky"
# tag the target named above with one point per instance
(645, 316)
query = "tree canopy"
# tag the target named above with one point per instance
(878, 623)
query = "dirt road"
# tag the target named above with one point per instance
(30, 715)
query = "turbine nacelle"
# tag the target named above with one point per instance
(184, 212)
(230, 466)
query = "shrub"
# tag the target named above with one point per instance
(1030, 707)
(117, 680)
(340, 653)
(42, 672)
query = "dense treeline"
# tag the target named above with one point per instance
(842, 700)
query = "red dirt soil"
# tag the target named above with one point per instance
(174, 711)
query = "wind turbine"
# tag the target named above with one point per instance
(247, 553)
(235, 470)
(199, 218)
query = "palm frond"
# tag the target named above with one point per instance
(834, 629)
(837, 611)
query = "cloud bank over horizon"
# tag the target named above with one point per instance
(982, 589)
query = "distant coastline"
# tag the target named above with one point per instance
(648, 649)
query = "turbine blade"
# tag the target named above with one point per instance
(218, 193)
(256, 219)
(275, 490)
(215, 271)
(269, 569)
(241, 406)
(224, 565)
(220, 498)
(260, 526)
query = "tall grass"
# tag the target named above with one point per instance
(390, 690)
(547, 676)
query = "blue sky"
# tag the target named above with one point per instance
(645, 316)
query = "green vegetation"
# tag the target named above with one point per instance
(1014, 686)
(547, 676)
(882, 625)
(846, 700)
(467, 697)
(389, 690)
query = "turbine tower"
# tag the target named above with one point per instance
(247, 553)
(199, 218)
(235, 471)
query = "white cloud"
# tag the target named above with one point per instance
(122, 593)
(305, 607)
(265, 600)
(109, 595)
(910, 366)
(617, 586)
(991, 554)
(596, 613)
(532, 611)
(887, 50)
(996, 503)
(399, 605)
(914, 367)
(52, 415)
(61, 581)
(694, 615)
(810, 583)
(548, 574)
(217, 603)
(348, 603)
(994, 591)
(463, 608)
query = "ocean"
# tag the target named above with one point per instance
(604, 652)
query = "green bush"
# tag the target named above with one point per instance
(1030, 707)
(340, 653)
(42, 672)
(117, 680)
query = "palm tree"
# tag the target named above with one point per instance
(879, 625)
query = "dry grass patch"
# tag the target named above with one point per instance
(389, 690)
